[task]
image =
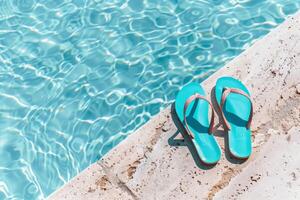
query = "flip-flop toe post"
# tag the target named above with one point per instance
(236, 109)
(192, 109)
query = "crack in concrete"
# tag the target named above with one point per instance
(115, 180)
(223, 182)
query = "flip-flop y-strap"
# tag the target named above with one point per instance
(226, 92)
(186, 105)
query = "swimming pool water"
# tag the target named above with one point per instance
(77, 76)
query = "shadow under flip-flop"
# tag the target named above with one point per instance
(186, 141)
(223, 133)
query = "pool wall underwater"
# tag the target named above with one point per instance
(78, 76)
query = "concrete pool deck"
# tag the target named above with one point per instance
(155, 162)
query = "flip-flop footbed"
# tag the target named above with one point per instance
(236, 111)
(197, 115)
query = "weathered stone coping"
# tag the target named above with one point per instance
(155, 163)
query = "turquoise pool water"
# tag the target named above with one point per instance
(77, 76)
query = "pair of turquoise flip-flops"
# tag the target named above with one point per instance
(233, 99)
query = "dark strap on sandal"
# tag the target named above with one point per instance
(225, 94)
(186, 105)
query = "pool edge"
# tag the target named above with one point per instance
(144, 166)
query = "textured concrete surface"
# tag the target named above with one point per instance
(273, 175)
(157, 163)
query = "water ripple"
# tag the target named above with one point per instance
(78, 76)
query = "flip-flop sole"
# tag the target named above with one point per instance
(198, 120)
(236, 111)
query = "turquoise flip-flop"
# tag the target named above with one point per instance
(236, 108)
(191, 107)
